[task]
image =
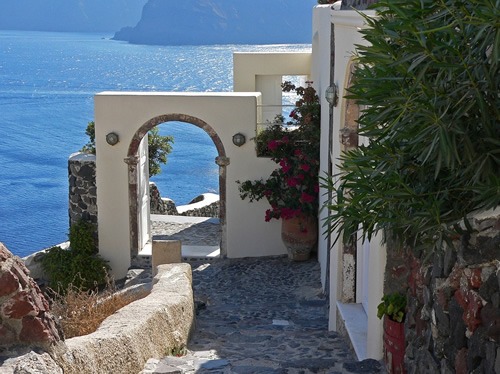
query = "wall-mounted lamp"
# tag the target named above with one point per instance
(239, 139)
(112, 138)
(332, 95)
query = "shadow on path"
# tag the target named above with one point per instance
(262, 315)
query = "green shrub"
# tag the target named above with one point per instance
(79, 266)
(429, 82)
(159, 147)
(81, 237)
(392, 306)
(56, 265)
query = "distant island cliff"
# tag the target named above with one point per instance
(69, 15)
(198, 22)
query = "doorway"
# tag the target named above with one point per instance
(138, 178)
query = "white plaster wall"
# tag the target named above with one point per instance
(374, 333)
(347, 25)
(248, 65)
(260, 72)
(345, 32)
(320, 75)
(228, 113)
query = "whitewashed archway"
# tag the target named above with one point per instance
(136, 174)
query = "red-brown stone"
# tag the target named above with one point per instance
(4, 253)
(471, 303)
(7, 337)
(412, 284)
(461, 297)
(461, 362)
(415, 279)
(34, 330)
(8, 284)
(24, 310)
(21, 272)
(19, 306)
(39, 300)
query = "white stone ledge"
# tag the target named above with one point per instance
(208, 199)
(147, 328)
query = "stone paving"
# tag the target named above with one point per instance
(190, 232)
(261, 315)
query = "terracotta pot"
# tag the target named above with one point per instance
(394, 346)
(299, 234)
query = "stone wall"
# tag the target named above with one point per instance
(210, 210)
(83, 195)
(25, 317)
(205, 205)
(453, 314)
(158, 204)
(82, 188)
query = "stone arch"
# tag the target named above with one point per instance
(132, 160)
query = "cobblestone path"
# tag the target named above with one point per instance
(261, 315)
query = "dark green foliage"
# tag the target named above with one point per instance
(393, 306)
(56, 265)
(80, 265)
(429, 81)
(90, 132)
(81, 237)
(159, 147)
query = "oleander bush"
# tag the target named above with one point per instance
(429, 84)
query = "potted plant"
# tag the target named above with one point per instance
(292, 188)
(393, 310)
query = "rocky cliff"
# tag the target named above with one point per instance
(69, 15)
(198, 22)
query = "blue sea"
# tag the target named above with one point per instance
(47, 84)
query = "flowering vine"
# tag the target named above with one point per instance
(292, 188)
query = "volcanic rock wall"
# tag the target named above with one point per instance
(25, 317)
(453, 316)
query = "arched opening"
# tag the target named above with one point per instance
(358, 256)
(136, 176)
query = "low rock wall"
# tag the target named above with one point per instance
(147, 328)
(83, 195)
(158, 204)
(211, 210)
(205, 205)
(453, 314)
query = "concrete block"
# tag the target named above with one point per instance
(165, 252)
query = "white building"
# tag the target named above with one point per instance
(353, 278)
